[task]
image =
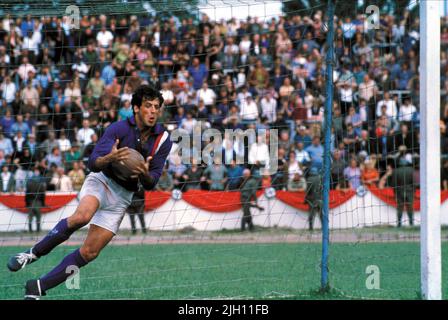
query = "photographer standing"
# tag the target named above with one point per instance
(248, 198)
(314, 195)
(35, 198)
(401, 179)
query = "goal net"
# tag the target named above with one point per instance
(236, 211)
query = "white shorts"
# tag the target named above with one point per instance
(113, 198)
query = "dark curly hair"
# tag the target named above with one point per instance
(147, 92)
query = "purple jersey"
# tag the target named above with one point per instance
(129, 136)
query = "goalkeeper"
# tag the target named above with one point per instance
(104, 197)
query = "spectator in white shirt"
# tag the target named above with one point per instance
(249, 109)
(168, 95)
(302, 156)
(21, 176)
(7, 180)
(391, 106)
(348, 28)
(315, 114)
(55, 157)
(62, 182)
(363, 110)
(31, 42)
(308, 99)
(240, 79)
(188, 123)
(269, 107)
(346, 97)
(293, 166)
(72, 93)
(244, 48)
(231, 51)
(206, 94)
(6, 144)
(37, 37)
(231, 47)
(8, 89)
(407, 111)
(63, 142)
(346, 93)
(30, 96)
(84, 135)
(25, 68)
(259, 152)
(81, 67)
(182, 96)
(243, 95)
(127, 94)
(104, 38)
(367, 89)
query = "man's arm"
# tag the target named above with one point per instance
(106, 151)
(115, 155)
(101, 163)
(150, 175)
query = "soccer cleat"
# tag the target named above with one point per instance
(33, 290)
(20, 260)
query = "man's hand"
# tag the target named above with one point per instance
(118, 154)
(114, 155)
(142, 169)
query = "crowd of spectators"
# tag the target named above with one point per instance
(61, 87)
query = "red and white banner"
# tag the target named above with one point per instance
(215, 210)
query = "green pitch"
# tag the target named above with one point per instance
(241, 271)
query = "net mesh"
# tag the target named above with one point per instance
(263, 65)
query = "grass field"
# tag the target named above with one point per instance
(241, 271)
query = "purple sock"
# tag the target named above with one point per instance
(59, 274)
(59, 234)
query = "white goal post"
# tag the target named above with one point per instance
(430, 241)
